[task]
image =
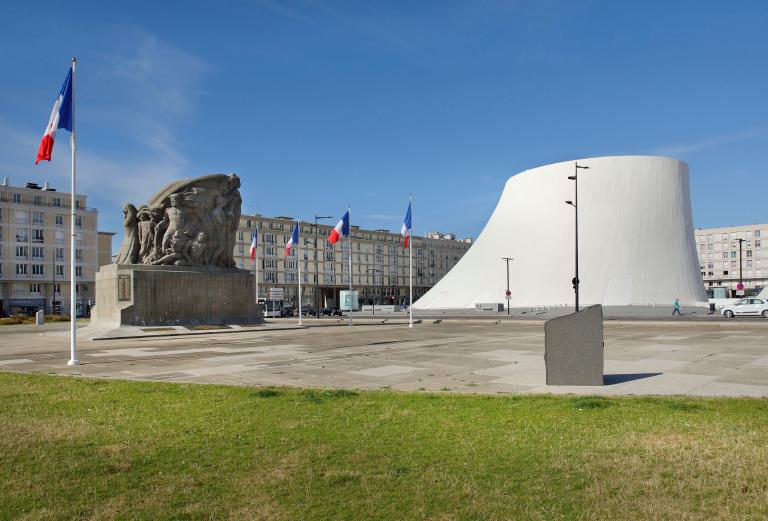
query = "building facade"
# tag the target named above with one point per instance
(379, 262)
(730, 254)
(35, 250)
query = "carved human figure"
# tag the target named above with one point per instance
(232, 210)
(198, 249)
(146, 233)
(178, 251)
(129, 249)
(219, 230)
(177, 220)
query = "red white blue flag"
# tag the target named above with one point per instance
(340, 230)
(61, 117)
(293, 241)
(254, 242)
(405, 230)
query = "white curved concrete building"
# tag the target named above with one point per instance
(636, 242)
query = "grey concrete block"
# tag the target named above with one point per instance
(140, 295)
(574, 348)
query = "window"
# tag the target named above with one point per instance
(757, 244)
(270, 276)
(21, 269)
(725, 254)
(79, 221)
(59, 237)
(21, 217)
(59, 254)
(38, 252)
(270, 264)
(749, 253)
(78, 271)
(37, 235)
(757, 233)
(37, 269)
(59, 220)
(269, 238)
(733, 254)
(37, 200)
(38, 218)
(17, 198)
(34, 288)
(77, 204)
(59, 271)
(57, 202)
(79, 255)
(240, 236)
(269, 250)
(57, 289)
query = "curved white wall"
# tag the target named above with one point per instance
(636, 242)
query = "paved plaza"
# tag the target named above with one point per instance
(724, 358)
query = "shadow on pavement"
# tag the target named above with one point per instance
(613, 379)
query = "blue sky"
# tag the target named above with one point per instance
(318, 104)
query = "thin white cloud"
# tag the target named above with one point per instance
(712, 142)
(138, 95)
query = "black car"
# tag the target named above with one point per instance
(288, 311)
(331, 311)
(306, 310)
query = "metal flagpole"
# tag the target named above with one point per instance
(256, 259)
(298, 261)
(410, 264)
(72, 277)
(349, 210)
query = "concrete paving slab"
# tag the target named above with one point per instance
(473, 356)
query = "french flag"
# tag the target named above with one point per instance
(254, 242)
(405, 230)
(61, 117)
(340, 230)
(293, 241)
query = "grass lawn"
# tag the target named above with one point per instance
(73, 448)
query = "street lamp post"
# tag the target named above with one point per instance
(741, 278)
(575, 204)
(507, 259)
(317, 263)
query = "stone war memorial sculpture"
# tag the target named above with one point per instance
(175, 266)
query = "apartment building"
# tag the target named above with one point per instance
(35, 249)
(730, 254)
(379, 261)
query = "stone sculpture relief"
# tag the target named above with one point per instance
(191, 222)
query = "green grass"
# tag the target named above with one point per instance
(74, 448)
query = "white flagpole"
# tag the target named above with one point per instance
(410, 264)
(72, 277)
(298, 261)
(256, 259)
(349, 210)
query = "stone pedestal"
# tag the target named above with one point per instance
(139, 295)
(574, 348)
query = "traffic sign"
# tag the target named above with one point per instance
(507, 294)
(739, 286)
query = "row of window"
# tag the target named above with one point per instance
(748, 234)
(38, 270)
(37, 200)
(38, 235)
(36, 288)
(717, 246)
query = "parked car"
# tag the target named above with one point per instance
(306, 310)
(746, 307)
(331, 311)
(288, 311)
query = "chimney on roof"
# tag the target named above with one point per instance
(46, 186)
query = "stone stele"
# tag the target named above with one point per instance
(574, 349)
(175, 265)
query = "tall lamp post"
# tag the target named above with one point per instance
(575, 204)
(741, 278)
(317, 263)
(507, 293)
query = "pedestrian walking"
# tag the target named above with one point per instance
(676, 308)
